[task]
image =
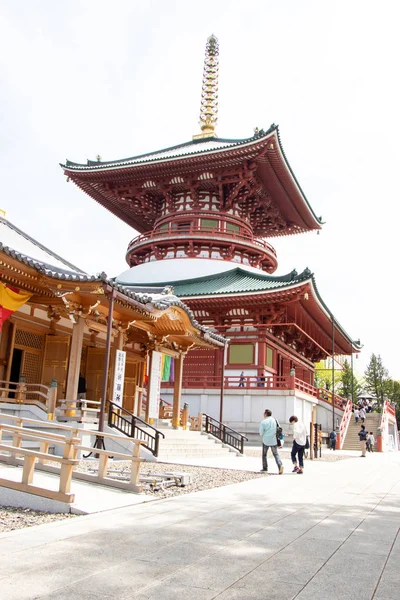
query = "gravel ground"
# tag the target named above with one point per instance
(204, 478)
(17, 518)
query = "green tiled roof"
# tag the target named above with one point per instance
(236, 281)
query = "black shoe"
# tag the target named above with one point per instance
(264, 471)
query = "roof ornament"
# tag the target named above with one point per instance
(209, 92)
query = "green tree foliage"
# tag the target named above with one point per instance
(377, 381)
(345, 386)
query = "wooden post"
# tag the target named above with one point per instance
(185, 415)
(103, 465)
(74, 363)
(135, 468)
(28, 469)
(176, 407)
(43, 447)
(65, 478)
(52, 400)
(20, 395)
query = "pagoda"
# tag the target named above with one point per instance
(206, 211)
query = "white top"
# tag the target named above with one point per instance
(300, 433)
(175, 269)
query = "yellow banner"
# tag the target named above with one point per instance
(12, 300)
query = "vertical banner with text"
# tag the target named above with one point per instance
(119, 375)
(154, 384)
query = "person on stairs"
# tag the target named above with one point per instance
(299, 443)
(268, 427)
(362, 434)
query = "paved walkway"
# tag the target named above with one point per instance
(331, 533)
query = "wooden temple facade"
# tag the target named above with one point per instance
(54, 321)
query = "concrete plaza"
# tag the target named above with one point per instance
(331, 533)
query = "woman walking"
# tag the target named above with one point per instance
(299, 442)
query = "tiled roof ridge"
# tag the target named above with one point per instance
(45, 268)
(39, 245)
(291, 277)
(163, 303)
(141, 297)
(233, 142)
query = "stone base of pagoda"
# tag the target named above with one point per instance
(244, 409)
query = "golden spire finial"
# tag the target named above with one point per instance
(209, 92)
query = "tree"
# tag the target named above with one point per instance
(377, 381)
(323, 376)
(345, 387)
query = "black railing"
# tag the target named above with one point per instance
(132, 426)
(226, 434)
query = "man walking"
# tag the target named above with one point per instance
(268, 428)
(362, 414)
(356, 414)
(362, 434)
(299, 442)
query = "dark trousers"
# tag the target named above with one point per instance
(277, 458)
(299, 451)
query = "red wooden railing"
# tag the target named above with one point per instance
(344, 425)
(387, 410)
(269, 382)
(272, 382)
(320, 393)
(201, 231)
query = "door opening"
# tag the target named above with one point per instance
(15, 367)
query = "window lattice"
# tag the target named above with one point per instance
(31, 367)
(29, 339)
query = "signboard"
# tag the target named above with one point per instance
(119, 375)
(154, 384)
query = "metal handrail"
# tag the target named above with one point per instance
(224, 433)
(128, 425)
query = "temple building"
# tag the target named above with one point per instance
(61, 327)
(206, 212)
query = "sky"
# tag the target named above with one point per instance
(82, 78)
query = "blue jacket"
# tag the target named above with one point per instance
(268, 431)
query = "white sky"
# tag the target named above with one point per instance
(82, 78)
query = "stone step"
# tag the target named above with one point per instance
(194, 451)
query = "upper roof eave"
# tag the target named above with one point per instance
(225, 143)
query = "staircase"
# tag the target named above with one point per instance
(352, 441)
(180, 444)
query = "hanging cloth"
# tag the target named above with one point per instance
(11, 299)
(166, 367)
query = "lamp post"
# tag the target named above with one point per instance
(352, 369)
(221, 396)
